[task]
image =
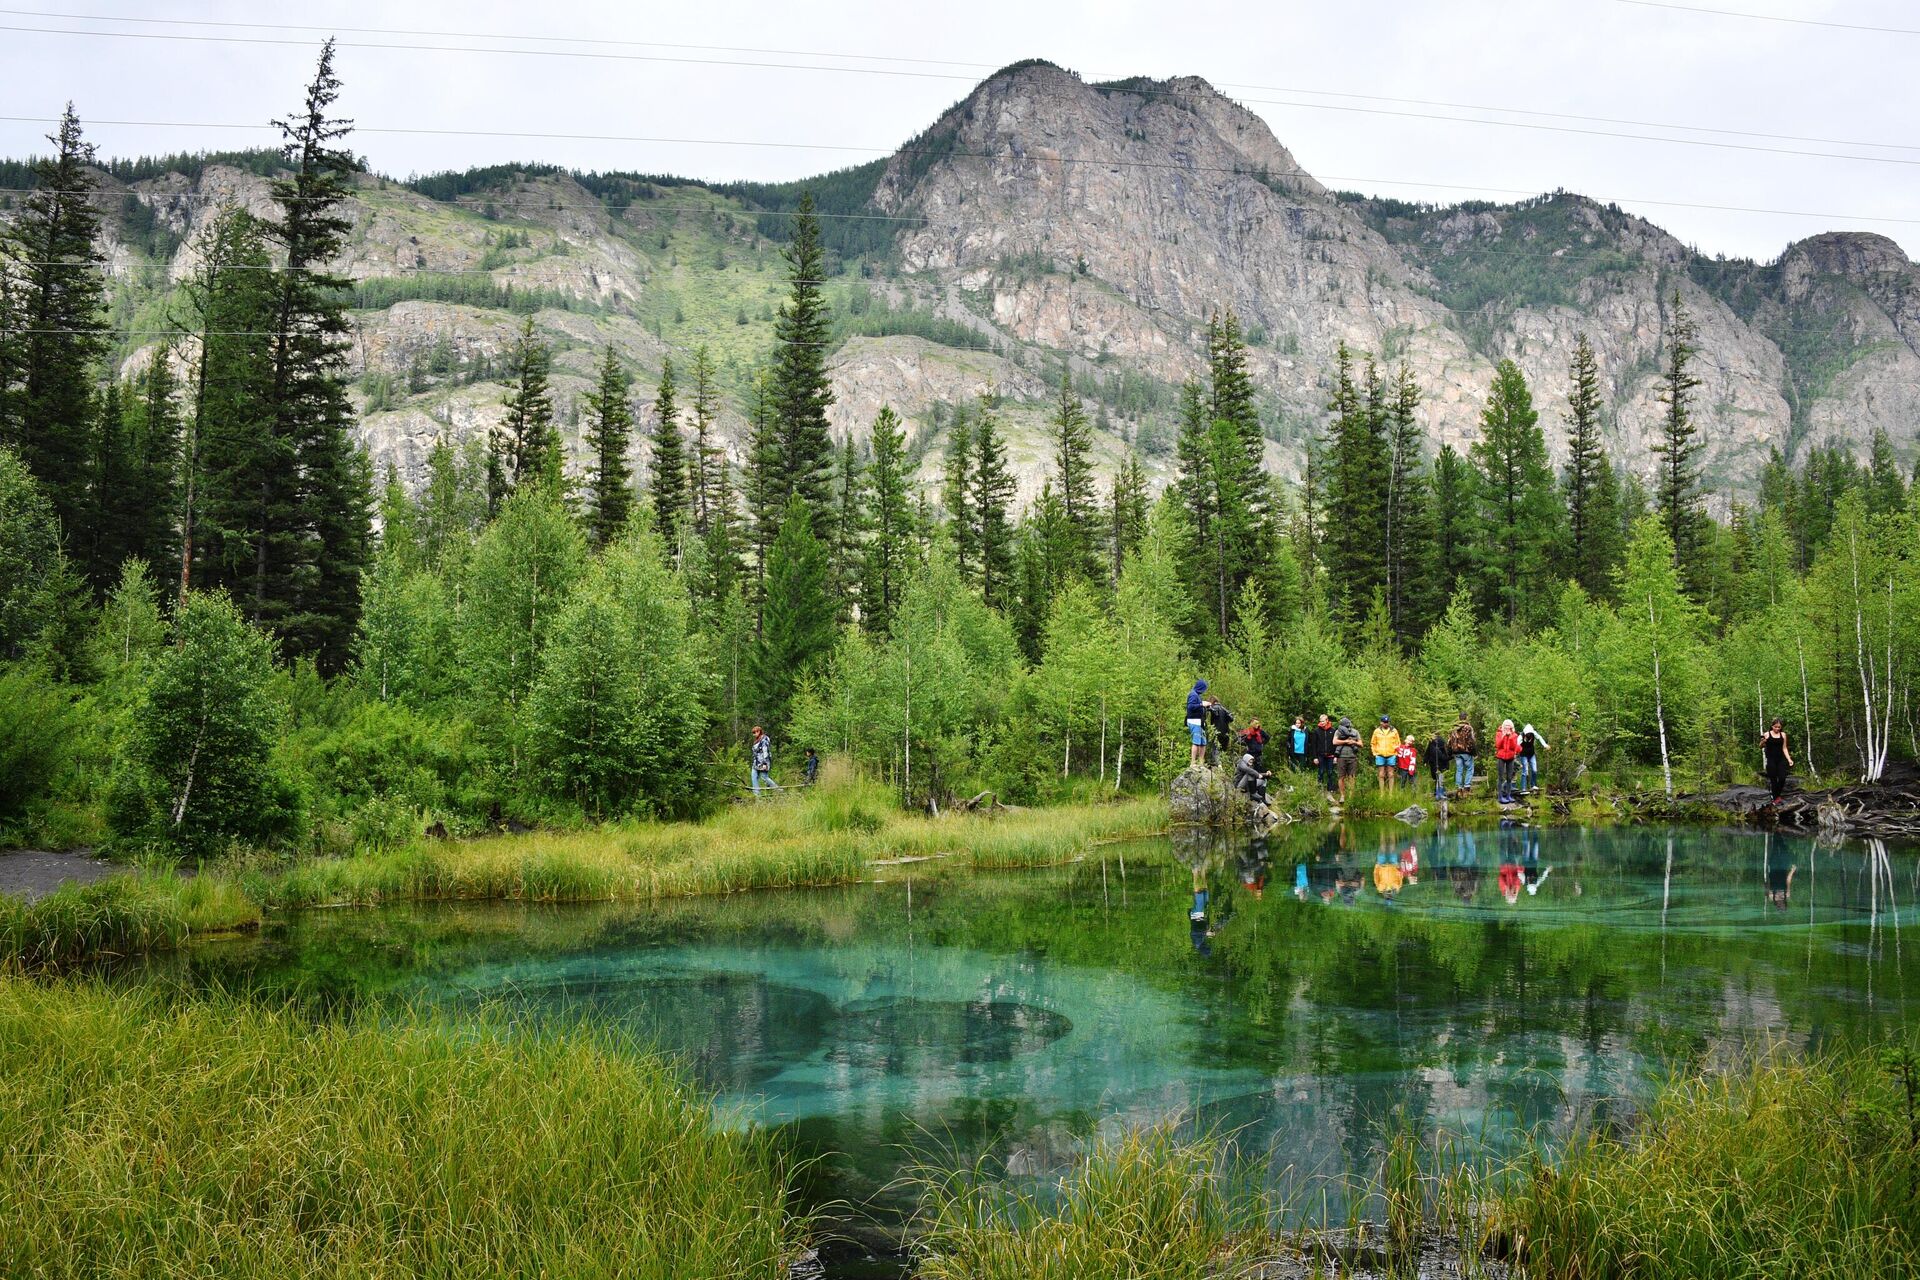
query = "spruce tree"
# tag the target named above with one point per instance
(1454, 512)
(990, 495)
(847, 545)
(525, 447)
(1073, 479)
(61, 330)
(232, 454)
(1518, 504)
(796, 628)
(1230, 399)
(670, 502)
(800, 389)
(956, 496)
(722, 570)
(1411, 600)
(1590, 541)
(12, 353)
(609, 435)
(890, 523)
(112, 498)
(1677, 487)
(708, 457)
(315, 534)
(766, 491)
(155, 448)
(1358, 465)
(1127, 512)
(1886, 491)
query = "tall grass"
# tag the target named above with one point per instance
(142, 1139)
(1807, 1169)
(1147, 1204)
(121, 915)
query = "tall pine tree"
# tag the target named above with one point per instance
(61, 313)
(1519, 520)
(1073, 481)
(801, 394)
(154, 437)
(1592, 542)
(890, 523)
(708, 457)
(316, 535)
(990, 494)
(670, 503)
(1126, 512)
(1455, 510)
(1358, 462)
(609, 435)
(1676, 491)
(956, 496)
(524, 446)
(847, 544)
(1412, 601)
(796, 629)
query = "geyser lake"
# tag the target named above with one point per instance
(1527, 979)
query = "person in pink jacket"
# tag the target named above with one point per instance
(1506, 749)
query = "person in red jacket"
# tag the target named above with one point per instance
(1506, 749)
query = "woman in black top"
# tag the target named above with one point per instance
(1779, 758)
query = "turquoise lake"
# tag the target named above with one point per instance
(1523, 980)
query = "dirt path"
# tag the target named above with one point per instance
(31, 873)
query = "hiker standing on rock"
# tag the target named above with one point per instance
(1779, 758)
(1197, 722)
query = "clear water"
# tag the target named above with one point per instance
(1524, 979)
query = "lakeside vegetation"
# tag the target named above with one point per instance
(145, 1138)
(838, 834)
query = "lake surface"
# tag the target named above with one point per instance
(1523, 979)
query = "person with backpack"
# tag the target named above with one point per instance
(1531, 744)
(1346, 755)
(1506, 749)
(1462, 743)
(1197, 722)
(1438, 753)
(1386, 747)
(1222, 721)
(1320, 751)
(760, 759)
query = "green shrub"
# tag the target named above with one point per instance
(38, 724)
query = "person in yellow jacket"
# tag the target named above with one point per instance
(1386, 741)
(1387, 877)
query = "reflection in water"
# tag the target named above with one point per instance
(1494, 983)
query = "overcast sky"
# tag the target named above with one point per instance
(1825, 88)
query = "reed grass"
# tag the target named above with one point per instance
(1787, 1168)
(1147, 1204)
(124, 914)
(142, 1138)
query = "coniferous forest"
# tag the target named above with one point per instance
(219, 628)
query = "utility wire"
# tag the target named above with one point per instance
(876, 71)
(1137, 90)
(1774, 17)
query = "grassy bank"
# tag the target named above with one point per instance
(144, 1139)
(838, 835)
(1783, 1169)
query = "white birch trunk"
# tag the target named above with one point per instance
(1659, 702)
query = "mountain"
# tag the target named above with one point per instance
(1044, 224)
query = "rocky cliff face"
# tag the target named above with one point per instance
(1054, 227)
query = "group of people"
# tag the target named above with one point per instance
(760, 763)
(1334, 751)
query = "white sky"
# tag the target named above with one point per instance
(1584, 57)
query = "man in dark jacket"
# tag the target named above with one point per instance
(1438, 755)
(1320, 751)
(1222, 720)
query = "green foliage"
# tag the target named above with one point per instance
(796, 628)
(36, 733)
(609, 434)
(30, 559)
(1520, 512)
(199, 771)
(407, 1147)
(377, 293)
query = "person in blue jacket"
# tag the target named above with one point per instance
(1197, 717)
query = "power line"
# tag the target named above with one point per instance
(1774, 17)
(878, 71)
(1109, 162)
(941, 62)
